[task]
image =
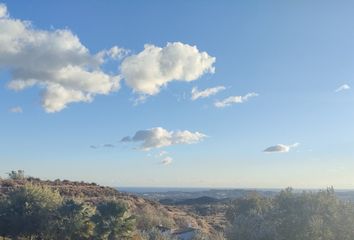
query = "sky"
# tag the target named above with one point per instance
(244, 94)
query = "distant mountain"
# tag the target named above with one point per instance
(219, 194)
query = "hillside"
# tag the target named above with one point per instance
(148, 213)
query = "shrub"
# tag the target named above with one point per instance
(112, 221)
(26, 212)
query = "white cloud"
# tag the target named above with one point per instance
(160, 137)
(162, 153)
(166, 161)
(139, 99)
(343, 88)
(3, 11)
(280, 148)
(16, 110)
(115, 53)
(206, 92)
(56, 61)
(59, 64)
(56, 97)
(154, 67)
(234, 99)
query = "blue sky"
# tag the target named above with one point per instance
(293, 54)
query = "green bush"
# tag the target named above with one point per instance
(112, 221)
(74, 221)
(38, 212)
(292, 216)
(26, 212)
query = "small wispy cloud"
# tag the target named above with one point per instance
(343, 87)
(162, 153)
(206, 92)
(280, 148)
(106, 145)
(140, 99)
(166, 161)
(16, 109)
(117, 53)
(234, 99)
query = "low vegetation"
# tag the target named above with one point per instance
(53, 210)
(292, 216)
(38, 212)
(31, 208)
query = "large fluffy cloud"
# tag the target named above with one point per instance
(160, 137)
(280, 148)
(154, 67)
(206, 92)
(58, 63)
(234, 99)
(54, 60)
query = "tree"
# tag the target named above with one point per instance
(112, 221)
